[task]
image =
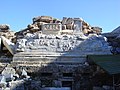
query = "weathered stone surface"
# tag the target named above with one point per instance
(51, 56)
(62, 43)
(4, 27)
(50, 25)
(96, 43)
(51, 28)
(4, 31)
(54, 51)
(2, 81)
(17, 85)
(97, 30)
(9, 45)
(8, 70)
(43, 19)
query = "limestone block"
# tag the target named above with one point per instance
(8, 70)
(78, 23)
(70, 21)
(46, 18)
(20, 45)
(4, 27)
(51, 28)
(97, 30)
(64, 20)
(78, 29)
(42, 19)
(8, 44)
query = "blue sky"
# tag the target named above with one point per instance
(19, 13)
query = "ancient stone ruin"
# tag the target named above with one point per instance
(50, 25)
(53, 52)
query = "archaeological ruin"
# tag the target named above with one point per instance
(53, 53)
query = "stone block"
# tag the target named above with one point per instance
(9, 45)
(43, 19)
(4, 27)
(46, 18)
(51, 28)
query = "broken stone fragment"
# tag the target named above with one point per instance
(8, 44)
(97, 30)
(4, 27)
(42, 19)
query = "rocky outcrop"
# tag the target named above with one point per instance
(8, 44)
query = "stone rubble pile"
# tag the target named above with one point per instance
(51, 50)
(6, 32)
(50, 25)
(4, 27)
(10, 79)
(6, 43)
(50, 34)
